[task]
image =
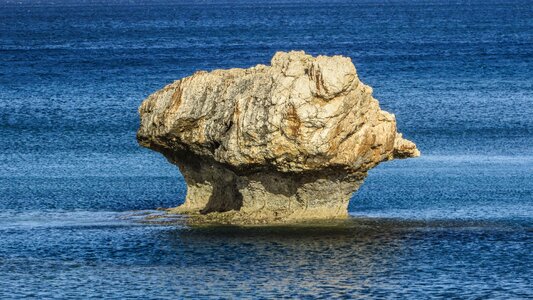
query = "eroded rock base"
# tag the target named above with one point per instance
(217, 194)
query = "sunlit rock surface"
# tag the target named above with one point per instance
(277, 143)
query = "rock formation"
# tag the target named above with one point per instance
(277, 143)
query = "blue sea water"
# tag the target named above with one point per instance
(454, 223)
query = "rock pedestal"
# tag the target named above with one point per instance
(277, 143)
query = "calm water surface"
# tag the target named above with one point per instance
(455, 223)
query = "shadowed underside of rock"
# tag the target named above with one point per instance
(275, 143)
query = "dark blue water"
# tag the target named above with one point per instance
(456, 222)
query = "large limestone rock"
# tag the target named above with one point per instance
(283, 142)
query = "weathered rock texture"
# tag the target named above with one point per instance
(283, 142)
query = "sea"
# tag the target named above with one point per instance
(75, 187)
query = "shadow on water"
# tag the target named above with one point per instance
(357, 234)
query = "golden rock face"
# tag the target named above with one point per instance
(302, 115)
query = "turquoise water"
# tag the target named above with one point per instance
(74, 185)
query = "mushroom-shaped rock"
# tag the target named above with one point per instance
(283, 142)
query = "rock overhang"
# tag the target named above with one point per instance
(301, 116)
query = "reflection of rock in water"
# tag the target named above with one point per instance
(283, 142)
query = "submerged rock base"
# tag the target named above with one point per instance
(217, 194)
